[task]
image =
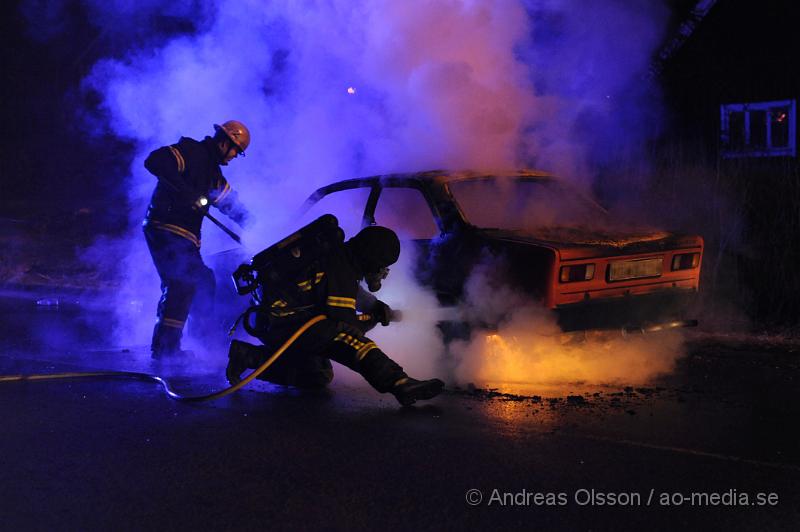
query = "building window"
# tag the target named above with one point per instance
(760, 129)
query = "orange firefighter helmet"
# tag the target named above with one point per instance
(237, 132)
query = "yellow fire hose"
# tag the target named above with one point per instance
(155, 378)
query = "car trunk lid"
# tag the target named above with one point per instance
(574, 243)
(623, 263)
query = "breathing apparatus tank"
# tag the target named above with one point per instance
(277, 268)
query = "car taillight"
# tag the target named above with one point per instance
(685, 261)
(578, 272)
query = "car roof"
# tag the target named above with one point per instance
(428, 178)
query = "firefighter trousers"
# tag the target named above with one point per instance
(187, 284)
(307, 362)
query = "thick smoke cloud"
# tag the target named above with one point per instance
(590, 61)
(343, 88)
(454, 84)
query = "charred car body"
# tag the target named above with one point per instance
(553, 243)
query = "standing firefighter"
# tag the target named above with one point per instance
(329, 287)
(189, 181)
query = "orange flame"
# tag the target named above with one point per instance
(520, 355)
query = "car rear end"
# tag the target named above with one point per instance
(594, 271)
(645, 284)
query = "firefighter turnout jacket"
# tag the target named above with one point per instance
(331, 287)
(187, 171)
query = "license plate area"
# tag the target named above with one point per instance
(625, 270)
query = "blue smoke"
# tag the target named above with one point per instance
(341, 88)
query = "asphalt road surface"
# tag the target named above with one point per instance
(713, 446)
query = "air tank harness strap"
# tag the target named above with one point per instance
(244, 319)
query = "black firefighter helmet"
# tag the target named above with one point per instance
(374, 248)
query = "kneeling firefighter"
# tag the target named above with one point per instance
(328, 285)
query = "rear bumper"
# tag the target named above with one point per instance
(628, 312)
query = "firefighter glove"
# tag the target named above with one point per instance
(382, 313)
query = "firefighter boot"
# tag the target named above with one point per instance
(407, 391)
(241, 357)
(385, 375)
(166, 343)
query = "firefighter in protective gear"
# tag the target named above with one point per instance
(332, 288)
(189, 181)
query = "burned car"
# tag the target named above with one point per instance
(552, 242)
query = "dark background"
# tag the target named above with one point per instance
(742, 52)
(57, 155)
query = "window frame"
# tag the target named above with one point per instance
(399, 184)
(367, 213)
(790, 150)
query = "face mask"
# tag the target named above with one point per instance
(374, 279)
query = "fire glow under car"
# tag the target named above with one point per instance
(552, 242)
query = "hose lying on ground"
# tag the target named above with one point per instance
(155, 378)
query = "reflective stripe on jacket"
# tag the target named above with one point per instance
(187, 170)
